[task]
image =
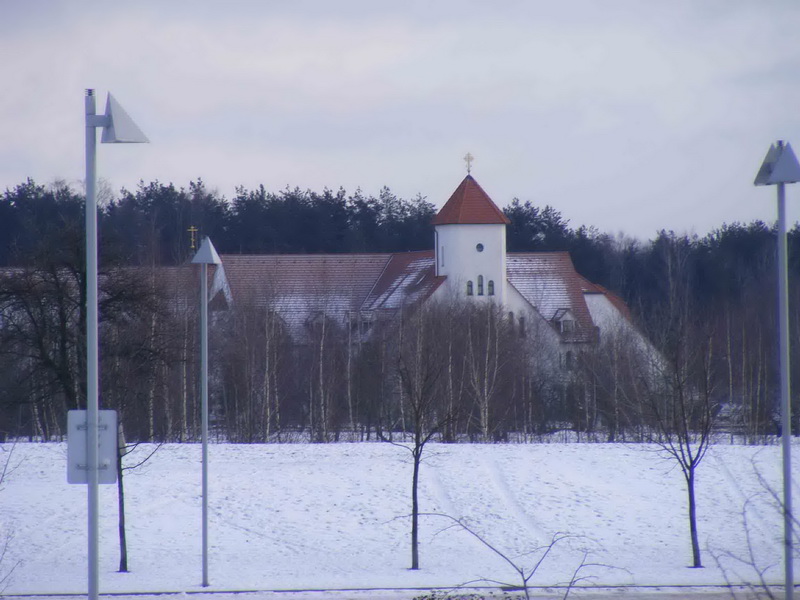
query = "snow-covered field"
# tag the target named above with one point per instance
(303, 516)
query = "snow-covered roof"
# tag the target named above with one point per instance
(549, 282)
(408, 278)
(299, 287)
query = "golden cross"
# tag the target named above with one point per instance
(193, 230)
(468, 159)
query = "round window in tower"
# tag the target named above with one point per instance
(479, 247)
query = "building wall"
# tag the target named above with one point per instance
(458, 258)
(604, 314)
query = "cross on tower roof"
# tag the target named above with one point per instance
(193, 230)
(468, 159)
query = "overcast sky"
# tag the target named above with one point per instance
(630, 116)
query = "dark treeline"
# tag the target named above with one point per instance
(724, 280)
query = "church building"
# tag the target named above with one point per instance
(541, 291)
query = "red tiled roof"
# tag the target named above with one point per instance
(408, 278)
(549, 282)
(298, 286)
(304, 281)
(595, 288)
(470, 205)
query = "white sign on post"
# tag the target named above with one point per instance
(77, 463)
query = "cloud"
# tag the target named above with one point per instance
(622, 114)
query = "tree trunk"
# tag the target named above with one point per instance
(123, 543)
(415, 511)
(349, 374)
(693, 520)
(266, 383)
(184, 435)
(151, 392)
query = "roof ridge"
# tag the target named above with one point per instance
(470, 205)
(375, 283)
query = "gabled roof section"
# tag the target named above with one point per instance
(300, 286)
(408, 278)
(335, 282)
(470, 205)
(549, 282)
(595, 288)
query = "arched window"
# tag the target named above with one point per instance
(569, 360)
(522, 326)
(469, 288)
(480, 285)
(491, 287)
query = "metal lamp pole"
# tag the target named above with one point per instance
(786, 407)
(205, 256)
(117, 128)
(780, 167)
(91, 343)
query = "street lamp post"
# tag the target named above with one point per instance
(117, 128)
(780, 167)
(205, 256)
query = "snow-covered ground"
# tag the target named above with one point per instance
(306, 516)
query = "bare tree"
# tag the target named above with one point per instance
(527, 564)
(742, 566)
(489, 352)
(421, 356)
(6, 536)
(123, 450)
(252, 347)
(678, 383)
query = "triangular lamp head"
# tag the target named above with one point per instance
(120, 129)
(786, 169)
(780, 166)
(207, 254)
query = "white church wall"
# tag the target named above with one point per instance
(465, 252)
(603, 312)
(617, 327)
(537, 328)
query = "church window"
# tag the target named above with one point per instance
(569, 360)
(469, 288)
(480, 285)
(479, 247)
(491, 287)
(522, 327)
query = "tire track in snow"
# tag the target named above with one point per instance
(446, 505)
(441, 494)
(735, 488)
(508, 497)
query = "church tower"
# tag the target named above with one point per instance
(471, 244)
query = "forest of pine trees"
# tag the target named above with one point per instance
(708, 297)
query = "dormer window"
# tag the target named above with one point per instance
(480, 285)
(564, 321)
(491, 287)
(469, 288)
